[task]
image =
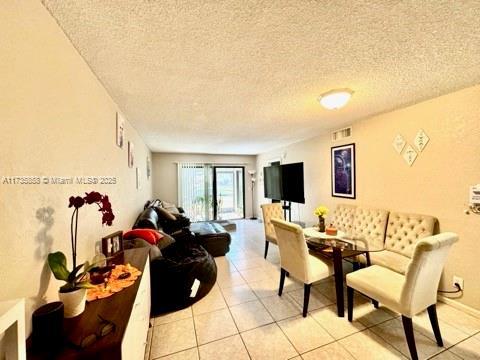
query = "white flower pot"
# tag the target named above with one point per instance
(73, 302)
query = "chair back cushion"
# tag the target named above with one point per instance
(405, 230)
(270, 211)
(343, 217)
(424, 271)
(293, 249)
(370, 225)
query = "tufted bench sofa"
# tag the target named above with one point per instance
(398, 231)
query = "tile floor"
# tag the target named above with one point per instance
(244, 318)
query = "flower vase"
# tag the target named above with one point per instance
(73, 302)
(321, 224)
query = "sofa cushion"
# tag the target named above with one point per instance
(404, 230)
(165, 241)
(343, 217)
(148, 219)
(389, 259)
(164, 214)
(370, 225)
(154, 251)
(149, 235)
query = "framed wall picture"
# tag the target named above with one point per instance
(130, 155)
(138, 178)
(343, 171)
(120, 130)
(148, 167)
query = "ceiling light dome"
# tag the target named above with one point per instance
(335, 99)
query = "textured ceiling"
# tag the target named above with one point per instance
(243, 76)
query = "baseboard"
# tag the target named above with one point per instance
(458, 305)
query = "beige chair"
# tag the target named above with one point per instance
(404, 230)
(270, 211)
(296, 260)
(411, 293)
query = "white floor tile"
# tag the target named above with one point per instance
(268, 342)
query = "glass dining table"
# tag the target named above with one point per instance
(339, 247)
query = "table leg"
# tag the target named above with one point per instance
(338, 268)
(367, 255)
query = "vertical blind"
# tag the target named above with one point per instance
(195, 190)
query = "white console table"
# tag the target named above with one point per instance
(12, 325)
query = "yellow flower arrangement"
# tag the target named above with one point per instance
(322, 210)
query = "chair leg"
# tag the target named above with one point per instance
(375, 304)
(306, 298)
(350, 303)
(266, 249)
(432, 314)
(282, 281)
(408, 327)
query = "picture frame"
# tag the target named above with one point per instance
(112, 244)
(343, 171)
(149, 170)
(138, 178)
(120, 130)
(131, 159)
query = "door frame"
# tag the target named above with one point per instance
(215, 167)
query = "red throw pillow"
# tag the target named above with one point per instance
(149, 235)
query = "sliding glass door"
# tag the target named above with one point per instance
(229, 192)
(209, 192)
(195, 190)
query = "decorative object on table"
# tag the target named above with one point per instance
(47, 327)
(112, 244)
(421, 140)
(120, 277)
(73, 292)
(343, 171)
(331, 230)
(321, 211)
(409, 155)
(252, 186)
(120, 130)
(130, 154)
(399, 143)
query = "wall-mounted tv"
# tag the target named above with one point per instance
(284, 182)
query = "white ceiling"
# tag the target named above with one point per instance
(242, 77)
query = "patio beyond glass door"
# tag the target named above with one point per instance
(228, 192)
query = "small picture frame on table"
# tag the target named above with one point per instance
(112, 247)
(343, 171)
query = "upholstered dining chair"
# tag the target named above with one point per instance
(411, 293)
(296, 260)
(270, 211)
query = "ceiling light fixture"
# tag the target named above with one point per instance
(335, 99)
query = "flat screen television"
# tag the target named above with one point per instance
(284, 182)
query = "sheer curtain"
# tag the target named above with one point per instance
(195, 190)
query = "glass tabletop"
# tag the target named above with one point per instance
(342, 241)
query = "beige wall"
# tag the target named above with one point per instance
(56, 119)
(164, 167)
(437, 183)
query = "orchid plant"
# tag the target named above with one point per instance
(57, 261)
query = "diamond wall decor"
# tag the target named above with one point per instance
(421, 140)
(399, 143)
(409, 155)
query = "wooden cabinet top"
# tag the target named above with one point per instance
(116, 309)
